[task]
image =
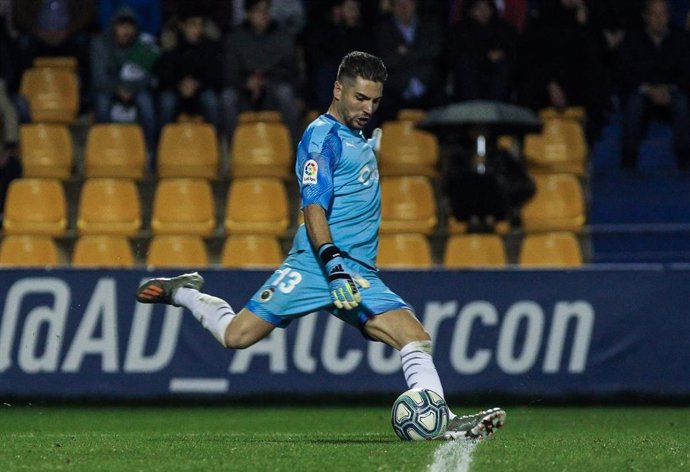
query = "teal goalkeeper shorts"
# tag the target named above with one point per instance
(299, 287)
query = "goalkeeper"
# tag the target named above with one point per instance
(332, 263)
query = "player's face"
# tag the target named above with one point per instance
(357, 100)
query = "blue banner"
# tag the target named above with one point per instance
(610, 330)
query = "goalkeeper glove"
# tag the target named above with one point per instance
(341, 284)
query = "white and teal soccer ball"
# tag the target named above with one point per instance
(419, 413)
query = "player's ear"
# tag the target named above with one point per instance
(337, 90)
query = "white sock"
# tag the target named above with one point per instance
(419, 369)
(213, 313)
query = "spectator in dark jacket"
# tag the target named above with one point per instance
(655, 74)
(331, 39)
(561, 62)
(188, 75)
(410, 46)
(482, 53)
(260, 69)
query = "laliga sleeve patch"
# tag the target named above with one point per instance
(311, 170)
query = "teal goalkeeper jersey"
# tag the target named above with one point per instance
(336, 168)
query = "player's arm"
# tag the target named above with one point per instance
(341, 283)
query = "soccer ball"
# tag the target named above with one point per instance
(419, 413)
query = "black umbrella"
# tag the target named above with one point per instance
(480, 118)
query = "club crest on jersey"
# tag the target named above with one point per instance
(311, 169)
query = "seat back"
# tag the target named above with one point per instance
(558, 204)
(553, 249)
(474, 250)
(407, 205)
(103, 251)
(261, 149)
(406, 150)
(109, 206)
(262, 116)
(57, 62)
(251, 251)
(183, 206)
(46, 150)
(257, 206)
(115, 150)
(177, 251)
(560, 147)
(35, 206)
(52, 93)
(188, 150)
(404, 251)
(28, 251)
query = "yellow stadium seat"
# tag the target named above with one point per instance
(554, 249)
(115, 150)
(407, 205)
(558, 204)
(257, 206)
(177, 251)
(183, 207)
(46, 151)
(474, 250)
(404, 251)
(188, 150)
(411, 114)
(261, 149)
(35, 206)
(560, 147)
(261, 116)
(406, 150)
(28, 251)
(57, 62)
(251, 251)
(109, 207)
(455, 226)
(103, 251)
(52, 93)
(569, 113)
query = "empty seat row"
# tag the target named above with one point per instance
(401, 251)
(244, 251)
(253, 205)
(551, 249)
(113, 206)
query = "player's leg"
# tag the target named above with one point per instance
(401, 330)
(232, 330)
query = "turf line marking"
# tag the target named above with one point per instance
(198, 385)
(453, 456)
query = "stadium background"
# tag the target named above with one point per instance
(598, 313)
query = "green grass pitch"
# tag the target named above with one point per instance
(297, 439)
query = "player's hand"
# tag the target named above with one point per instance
(342, 285)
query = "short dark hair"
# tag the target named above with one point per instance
(250, 4)
(364, 65)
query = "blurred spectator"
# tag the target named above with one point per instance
(122, 65)
(485, 184)
(513, 11)
(655, 72)
(188, 74)
(8, 45)
(260, 69)
(289, 14)
(148, 14)
(218, 18)
(10, 166)
(561, 62)
(410, 46)
(482, 53)
(338, 34)
(54, 28)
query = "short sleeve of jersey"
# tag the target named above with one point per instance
(316, 183)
